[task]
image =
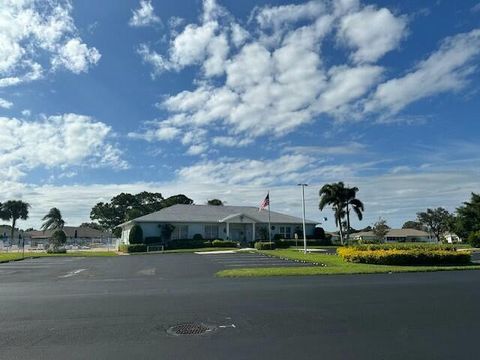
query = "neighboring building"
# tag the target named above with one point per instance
(395, 235)
(5, 235)
(237, 223)
(75, 235)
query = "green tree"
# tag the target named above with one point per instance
(57, 240)
(380, 229)
(53, 220)
(352, 203)
(467, 220)
(136, 235)
(342, 200)
(125, 207)
(176, 199)
(14, 210)
(437, 221)
(92, 225)
(413, 225)
(215, 202)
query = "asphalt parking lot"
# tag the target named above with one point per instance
(245, 260)
(123, 307)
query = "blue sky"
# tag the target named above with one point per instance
(230, 99)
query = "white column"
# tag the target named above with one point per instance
(228, 231)
(253, 231)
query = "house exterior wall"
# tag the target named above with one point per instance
(238, 231)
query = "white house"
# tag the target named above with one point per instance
(395, 235)
(237, 223)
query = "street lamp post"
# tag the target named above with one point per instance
(303, 218)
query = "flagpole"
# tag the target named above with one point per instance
(269, 225)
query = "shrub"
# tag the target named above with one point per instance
(261, 245)
(406, 246)
(282, 244)
(57, 240)
(136, 235)
(310, 242)
(197, 237)
(404, 256)
(153, 240)
(187, 244)
(474, 239)
(132, 248)
(277, 237)
(221, 243)
(56, 251)
(319, 233)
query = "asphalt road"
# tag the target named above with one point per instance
(120, 308)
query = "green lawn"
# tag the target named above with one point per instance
(333, 265)
(17, 256)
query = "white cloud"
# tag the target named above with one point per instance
(371, 32)
(274, 76)
(343, 149)
(56, 141)
(278, 16)
(33, 35)
(446, 69)
(76, 56)
(196, 149)
(396, 193)
(144, 15)
(5, 104)
(272, 79)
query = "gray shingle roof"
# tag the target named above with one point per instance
(82, 232)
(212, 214)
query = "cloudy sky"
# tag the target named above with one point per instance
(229, 99)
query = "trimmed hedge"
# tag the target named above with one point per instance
(406, 246)
(187, 244)
(153, 240)
(404, 256)
(132, 248)
(261, 245)
(56, 251)
(221, 243)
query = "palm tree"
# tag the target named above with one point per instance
(14, 210)
(342, 199)
(351, 202)
(333, 195)
(53, 220)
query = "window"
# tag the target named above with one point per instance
(211, 231)
(286, 232)
(180, 232)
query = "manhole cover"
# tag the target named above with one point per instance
(190, 329)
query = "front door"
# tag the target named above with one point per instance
(237, 232)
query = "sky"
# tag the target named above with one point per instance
(231, 99)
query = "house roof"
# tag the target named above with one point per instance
(211, 214)
(82, 232)
(394, 233)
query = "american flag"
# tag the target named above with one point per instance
(265, 202)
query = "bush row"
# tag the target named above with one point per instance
(132, 248)
(405, 246)
(265, 245)
(404, 257)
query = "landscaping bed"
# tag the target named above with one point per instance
(404, 254)
(331, 265)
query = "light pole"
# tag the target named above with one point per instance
(303, 218)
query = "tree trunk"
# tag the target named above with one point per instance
(341, 231)
(12, 231)
(348, 224)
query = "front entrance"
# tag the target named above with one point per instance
(237, 232)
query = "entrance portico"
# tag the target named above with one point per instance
(240, 227)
